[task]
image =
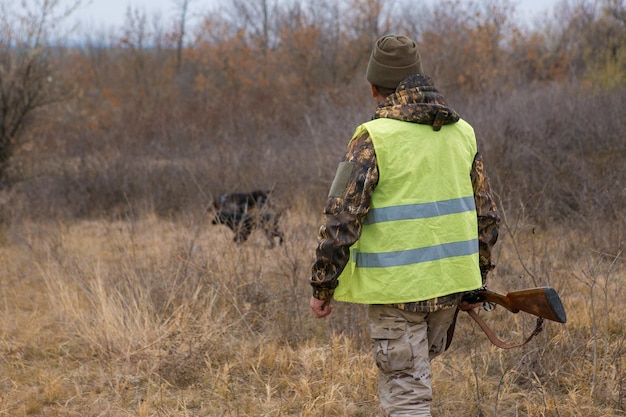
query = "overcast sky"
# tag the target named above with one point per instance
(111, 13)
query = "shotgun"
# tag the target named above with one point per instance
(542, 302)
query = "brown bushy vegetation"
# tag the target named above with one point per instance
(120, 298)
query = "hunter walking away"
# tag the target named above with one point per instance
(408, 226)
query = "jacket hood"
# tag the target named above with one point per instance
(416, 100)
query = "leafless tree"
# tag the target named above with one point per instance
(183, 10)
(28, 77)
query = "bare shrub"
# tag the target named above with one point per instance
(548, 149)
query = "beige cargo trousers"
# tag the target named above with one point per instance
(403, 344)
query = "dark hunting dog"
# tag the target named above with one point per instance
(245, 212)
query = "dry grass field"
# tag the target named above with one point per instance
(148, 317)
(118, 297)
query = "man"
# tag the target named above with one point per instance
(409, 225)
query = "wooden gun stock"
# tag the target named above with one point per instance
(542, 302)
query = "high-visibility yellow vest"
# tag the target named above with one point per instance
(420, 237)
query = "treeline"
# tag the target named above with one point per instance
(164, 115)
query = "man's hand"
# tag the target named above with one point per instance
(321, 308)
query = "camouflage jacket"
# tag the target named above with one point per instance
(416, 100)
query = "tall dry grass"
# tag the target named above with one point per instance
(120, 298)
(150, 317)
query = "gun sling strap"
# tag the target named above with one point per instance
(495, 340)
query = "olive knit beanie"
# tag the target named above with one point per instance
(393, 59)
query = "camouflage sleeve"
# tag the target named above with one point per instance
(487, 212)
(348, 203)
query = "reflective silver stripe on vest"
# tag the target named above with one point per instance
(420, 211)
(414, 256)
